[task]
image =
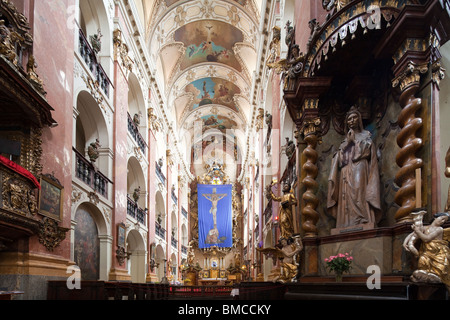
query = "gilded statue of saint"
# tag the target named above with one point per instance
(354, 183)
(286, 216)
(434, 251)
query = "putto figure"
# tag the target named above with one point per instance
(434, 251)
(354, 182)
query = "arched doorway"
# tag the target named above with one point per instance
(160, 262)
(136, 262)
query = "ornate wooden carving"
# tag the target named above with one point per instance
(408, 141)
(310, 132)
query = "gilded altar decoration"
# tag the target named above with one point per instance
(354, 181)
(18, 189)
(33, 77)
(51, 234)
(286, 217)
(287, 252)
(434, 251)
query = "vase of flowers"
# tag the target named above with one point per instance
(339, 264)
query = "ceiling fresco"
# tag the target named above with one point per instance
(213, 91)
(209, 41)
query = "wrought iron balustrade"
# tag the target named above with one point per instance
(133, 210)
(90, 58)
(160, 231)
(174, 243)
(86, 172)
(184, 212)
(159, 173)
(134, 131)
(174, 197)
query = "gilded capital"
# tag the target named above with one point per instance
(310, 126)
(410, 75)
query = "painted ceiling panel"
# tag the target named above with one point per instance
(209, 41)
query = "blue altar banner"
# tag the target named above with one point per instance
(215, 222)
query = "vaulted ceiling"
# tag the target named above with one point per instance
(206, 53)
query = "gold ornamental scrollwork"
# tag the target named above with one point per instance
(410, 75)
(51, 234)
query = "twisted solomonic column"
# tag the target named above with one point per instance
(309, 214)
(408, 141)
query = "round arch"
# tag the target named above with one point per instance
(91, 243)
(136, 103)
(94, 17)
(90, 126)
(160, 209)
(135, 180)
(136, 263)
(160, 258)
(173, 268)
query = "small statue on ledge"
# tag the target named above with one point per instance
(96, 41)
(93, 150)
(286, 216)
(137, 194)
(434, 252)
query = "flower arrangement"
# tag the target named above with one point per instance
(339, 263)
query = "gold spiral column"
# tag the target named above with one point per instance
(409, 81)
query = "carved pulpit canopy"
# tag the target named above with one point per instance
(19, 82)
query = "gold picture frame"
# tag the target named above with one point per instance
(121, 234)
(51, 198)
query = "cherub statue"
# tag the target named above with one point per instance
(434, 253)
(410, 240)
(287, 251)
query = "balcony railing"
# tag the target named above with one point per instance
(86, 172)
(134, 131)
(184, 212)
(133, 210)
(160, 231)
(174, 243)
(159, 173)
(174, 197)
(89, 57)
